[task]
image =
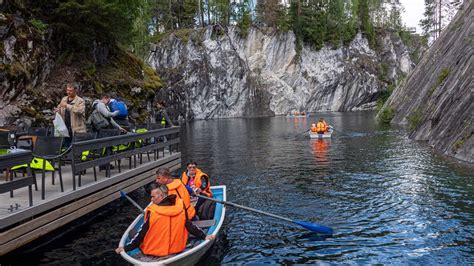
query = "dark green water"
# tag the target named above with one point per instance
(389, 199)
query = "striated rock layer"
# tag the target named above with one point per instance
(215, 73)
(436, 100)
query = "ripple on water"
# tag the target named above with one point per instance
(388, 198)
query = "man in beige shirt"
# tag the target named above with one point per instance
(72, 109)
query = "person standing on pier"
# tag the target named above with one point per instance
(102, 117)
(72, 109)
(165, 230)
(162, 116)
(176, 187)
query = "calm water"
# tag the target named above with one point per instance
(388, 198)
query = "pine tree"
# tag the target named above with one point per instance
(366, 26)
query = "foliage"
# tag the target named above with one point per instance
(386, 115)
(414, 119)
(183, 34)
(442, 76)
(78, 24)
(458, 144)
(382, 71)
(244, 21)
(406, 37)
(366, 26)
(314, 22)
(437, 16)
(38, 24)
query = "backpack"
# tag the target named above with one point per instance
(98, 121)
(120, 106)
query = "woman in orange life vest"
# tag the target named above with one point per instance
(199, 183)
(322, 126)
(197, 180)
(165, 230)
(176, 187)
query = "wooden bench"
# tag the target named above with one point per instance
(12, 159)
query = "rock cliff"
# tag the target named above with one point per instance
(216, 73)
(436, 101)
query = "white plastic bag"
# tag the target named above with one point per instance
(60, 129)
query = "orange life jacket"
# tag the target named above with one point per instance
(321, 127)
(314, 129)
(177, 188)
(198, 181)
(167, 233)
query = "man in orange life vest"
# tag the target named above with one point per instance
(176, 187)
(200, 184)
(166, 227)
(322, 126)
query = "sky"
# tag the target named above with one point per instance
(414, 10)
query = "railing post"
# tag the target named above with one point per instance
(73, 169)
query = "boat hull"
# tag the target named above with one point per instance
(188, 257)
(326, 135)
(297, 116)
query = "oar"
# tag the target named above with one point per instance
(123, 195)
(310, 226)
(337, 130)
(303, 132)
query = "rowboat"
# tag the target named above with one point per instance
(195, 248)
(314, 135)
(297, 116)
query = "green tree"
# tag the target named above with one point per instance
(366, 26)
(243, 19)
(78, 24)
(336, 22)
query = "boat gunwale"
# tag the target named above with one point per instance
(315, 135)
(179, 256)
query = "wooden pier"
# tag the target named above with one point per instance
(141, 154)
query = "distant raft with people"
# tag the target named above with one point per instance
(298, 115)
(195, 249)
(325, 135)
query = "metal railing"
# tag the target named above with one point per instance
(103, 151)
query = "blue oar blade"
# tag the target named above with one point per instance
(122, 194)
(315, 227)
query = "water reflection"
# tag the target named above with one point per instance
(320, 149)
